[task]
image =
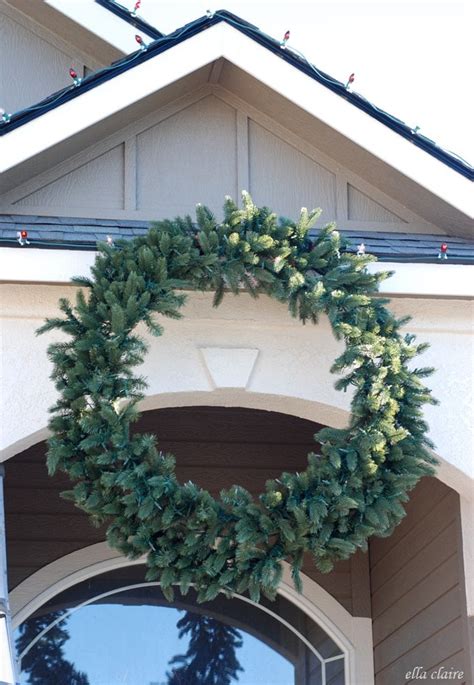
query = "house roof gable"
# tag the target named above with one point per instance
(119, 93)
(163, 43)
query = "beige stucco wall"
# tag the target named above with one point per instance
(289, 372)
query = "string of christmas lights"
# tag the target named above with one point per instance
(6, 117)
(23, 240)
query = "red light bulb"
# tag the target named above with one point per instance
(139, 39)
(444, 247)
(23, 237)
(72, 73)
(285, 40)
(350, 81)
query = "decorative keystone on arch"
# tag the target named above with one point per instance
(229, 367)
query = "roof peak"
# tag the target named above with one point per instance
(165, 42)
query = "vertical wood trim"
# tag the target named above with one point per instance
(464, 580)
(130, 174)
(342, 210)
(216, 71)
(243, 171)
(360, 585)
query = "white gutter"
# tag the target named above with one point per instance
(31, 265)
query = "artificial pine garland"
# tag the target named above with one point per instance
(352, 490)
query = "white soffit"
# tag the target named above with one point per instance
(221, 40)
(31, 265)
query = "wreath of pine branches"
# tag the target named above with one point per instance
(353, 489)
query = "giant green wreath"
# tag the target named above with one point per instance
(352, 490)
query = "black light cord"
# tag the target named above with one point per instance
(91, 246)
(131, 18)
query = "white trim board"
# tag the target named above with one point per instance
(222, 40)
(32, 265)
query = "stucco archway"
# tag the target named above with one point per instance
(326, 414)
(352, 634)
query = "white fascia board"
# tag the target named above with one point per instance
(101, 22)
(222, 40)
(30, 265)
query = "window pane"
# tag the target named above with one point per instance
(130, 635)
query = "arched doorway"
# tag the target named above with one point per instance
(214, 446)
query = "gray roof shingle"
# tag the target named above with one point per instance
(79, 233)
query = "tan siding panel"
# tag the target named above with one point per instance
(454, 664)
(417, 605)
(75, 524)
(415, 540)
(39, 68)
(423, 594)
(418, 629)
(189, 158)
(42, 552)
(284, 179)
(97, 184)
(362, 208)
(415, 570)
(423, 499)
(360, 582)
(17, 501)
(438, 649)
